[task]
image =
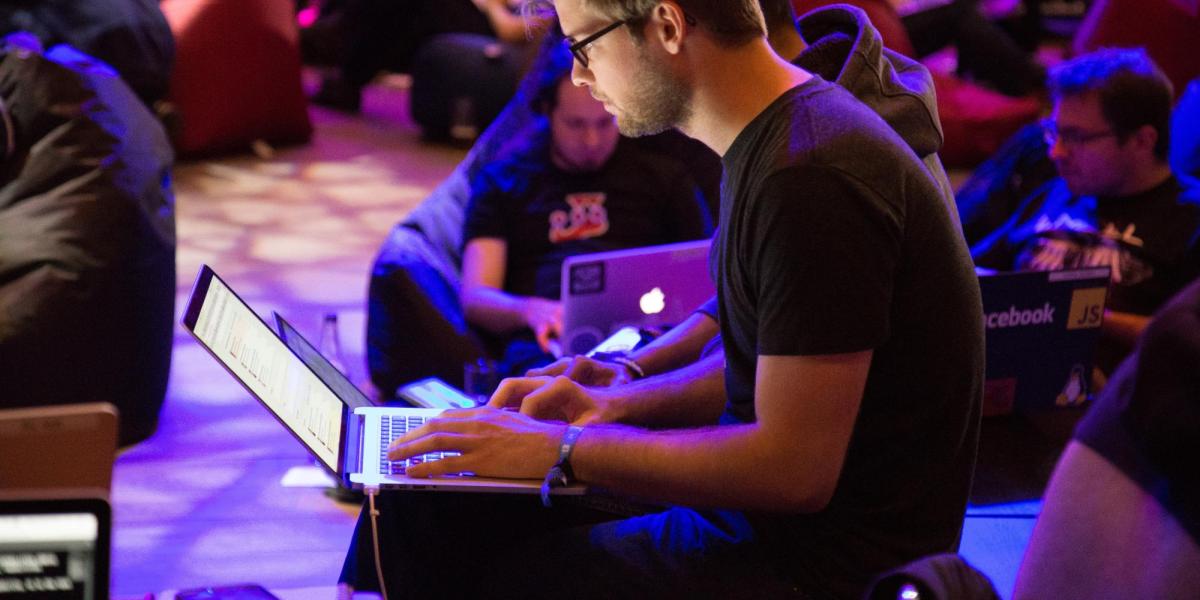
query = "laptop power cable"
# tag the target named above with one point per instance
(372, 491)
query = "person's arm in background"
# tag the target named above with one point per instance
(509, 26)
(487, 305)
(1122, 327)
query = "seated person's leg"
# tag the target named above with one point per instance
(678, 553)
(435, 544)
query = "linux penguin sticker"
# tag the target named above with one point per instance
(1074, 392)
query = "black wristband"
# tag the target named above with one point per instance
(561, 474)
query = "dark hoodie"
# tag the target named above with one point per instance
(845, 48)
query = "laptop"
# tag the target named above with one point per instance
(1041, 332)
(347, 440)
(430, 392)
(71, 446)
(646, 288)
(54, 547)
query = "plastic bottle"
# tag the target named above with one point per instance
(330, 344)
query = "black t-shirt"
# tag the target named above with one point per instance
(1153, 236)
(834, 239)
(1147, 420)
(546, 214)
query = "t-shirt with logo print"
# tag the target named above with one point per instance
(1151, 240)
(834, 239)
(545, 214)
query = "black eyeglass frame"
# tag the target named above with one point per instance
(1051, 135)
(577, 49)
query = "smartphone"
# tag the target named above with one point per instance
(249, 591)
(624, 340)
(435, 393)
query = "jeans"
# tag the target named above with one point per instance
(449, 545)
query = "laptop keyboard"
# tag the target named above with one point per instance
(394, 427)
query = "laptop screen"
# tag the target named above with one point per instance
(52, 549)
(251, 351)
(333, 378)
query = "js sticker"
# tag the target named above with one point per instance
(1087, 308)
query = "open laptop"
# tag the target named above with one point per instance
(650, 287)
(350, 442)
(54, 547)
(71, 446)
(430, 392)
(1042, 328)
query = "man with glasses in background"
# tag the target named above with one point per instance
(1115, 202)
(838, 438)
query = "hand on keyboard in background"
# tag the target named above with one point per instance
(587, 371)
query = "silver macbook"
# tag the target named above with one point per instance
(349, 441)
(650, 287)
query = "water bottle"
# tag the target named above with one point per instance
(330, 345)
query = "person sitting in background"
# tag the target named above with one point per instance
(985, 52)
(1121, 517)
(385, 34)
(1115, 201)
(574, 187)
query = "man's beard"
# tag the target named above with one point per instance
(661, 101)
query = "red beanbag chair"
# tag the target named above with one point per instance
(1169, 30)
(976, 120)
(237, 74)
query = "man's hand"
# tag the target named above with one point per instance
(492, 443)
(587, 371)
(556, 399)
(544, 317)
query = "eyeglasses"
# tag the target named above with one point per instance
(1069, 137)
(579, 49)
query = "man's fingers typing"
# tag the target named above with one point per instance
(512, 391)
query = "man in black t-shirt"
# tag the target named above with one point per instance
(574, 187)
(1115, 202)
(852, 330)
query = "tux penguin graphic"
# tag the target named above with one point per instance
(1075, 390)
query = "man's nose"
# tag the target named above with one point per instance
(580, 75)
(591, 137)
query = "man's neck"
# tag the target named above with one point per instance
(1146, 179)
(786, 42)
(731, 88)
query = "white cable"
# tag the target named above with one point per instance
(371, 492)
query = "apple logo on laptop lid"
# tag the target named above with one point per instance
(652, 302)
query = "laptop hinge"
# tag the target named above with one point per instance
(354, 443)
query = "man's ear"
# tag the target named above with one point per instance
(669, 26)
(1145, 137)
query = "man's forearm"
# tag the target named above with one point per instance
(678, 347)
(689, 397)
(725, 466)
(493, 309)
(1123, 327)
